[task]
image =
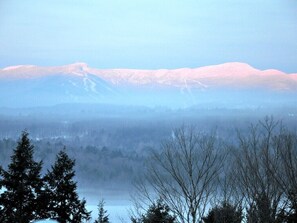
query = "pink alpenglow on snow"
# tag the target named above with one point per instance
(230, 75)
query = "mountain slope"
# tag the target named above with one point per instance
(28, 84)
(229, 75)
(233, 75)
(25, 85)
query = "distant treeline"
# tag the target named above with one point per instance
(193, 176)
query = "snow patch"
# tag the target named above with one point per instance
(89, 85)
(11, 68)
(201, 84)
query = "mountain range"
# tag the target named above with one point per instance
(230, 83)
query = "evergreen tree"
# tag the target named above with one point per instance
(102, 217)
(64, 203)
(261, 210)
(20, 185)
(157, 213)
(292, 216)
(224, 213)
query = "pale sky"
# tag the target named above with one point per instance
(153, 34)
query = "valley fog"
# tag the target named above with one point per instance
(112, 144)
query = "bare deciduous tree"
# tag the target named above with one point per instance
(256, 182)
(191, 172)
(185, 173)
(285, 171)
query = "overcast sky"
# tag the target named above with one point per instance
(149, 34)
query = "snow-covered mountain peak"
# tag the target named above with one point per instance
(228, 69)
(79, 69)
(17, 67)
(78, 65)
(226, 75)
(78, 83)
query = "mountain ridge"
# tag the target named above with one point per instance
(229, 84)
(233, 74)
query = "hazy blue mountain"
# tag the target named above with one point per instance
(224, 85)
